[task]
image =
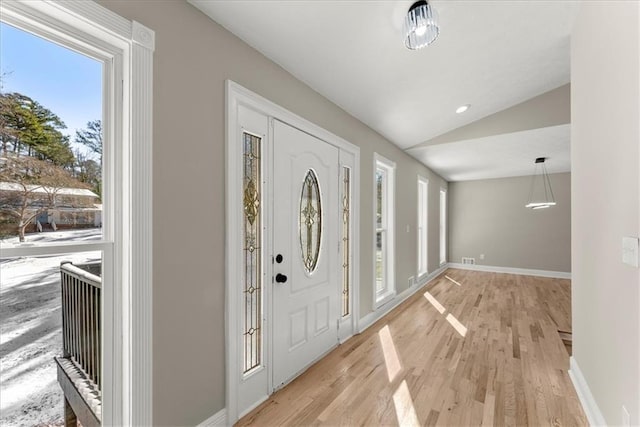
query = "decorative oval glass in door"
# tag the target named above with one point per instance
(310, 224)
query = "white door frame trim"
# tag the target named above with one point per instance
(127, 362)
(236, 96)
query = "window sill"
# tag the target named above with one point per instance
(384, 299)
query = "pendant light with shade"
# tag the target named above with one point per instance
(540, 192)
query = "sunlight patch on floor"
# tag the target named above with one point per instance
(434, 302)
(405, 412)
(462, 330)
(451, 280)
(391, 359)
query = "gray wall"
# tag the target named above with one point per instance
(193, 58)
(605, 155)
(488, 217)
(549, 109)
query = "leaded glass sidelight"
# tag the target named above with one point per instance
(346, 249)
(310, 224)
(252, 263)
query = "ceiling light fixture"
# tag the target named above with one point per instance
(540, 193)
(420, 25)
(461, 109)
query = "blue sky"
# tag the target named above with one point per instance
(65, 82)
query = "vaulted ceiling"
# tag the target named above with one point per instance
(508, 59)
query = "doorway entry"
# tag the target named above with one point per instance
(305, 241)
(292, 252)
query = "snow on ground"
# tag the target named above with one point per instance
(30, 330)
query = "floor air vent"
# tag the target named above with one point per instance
(466, 260)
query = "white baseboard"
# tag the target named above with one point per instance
(376, 315)
(587, 400)
(423, 280)
(511, 270)
(345, 339)
(219, 419)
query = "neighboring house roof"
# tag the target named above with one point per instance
(12, 186)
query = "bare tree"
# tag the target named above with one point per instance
(91, 137)
(29, 187)
(90, 167)
(88, 171)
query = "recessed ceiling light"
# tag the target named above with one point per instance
(461, 109)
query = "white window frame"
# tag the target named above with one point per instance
(443, 226)
(388, 291)
(126, 48)
(423, 228)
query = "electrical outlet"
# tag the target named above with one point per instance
(481, 256)
(411, 281)
(626, 418)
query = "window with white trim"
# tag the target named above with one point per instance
(443, 226)
(125, 49)
(384, 207)
(51, 201)
(423, 215)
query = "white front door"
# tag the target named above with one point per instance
(305, 250)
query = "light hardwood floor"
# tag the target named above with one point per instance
(477, 349)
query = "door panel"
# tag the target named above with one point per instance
(306, 234)
(322, 312)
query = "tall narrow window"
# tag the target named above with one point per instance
(423, 194)
(443, 226)
(252, 235)
(57, 218)
(346, 243)
(384, 229)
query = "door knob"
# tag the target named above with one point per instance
(281, 278)
(279, 258)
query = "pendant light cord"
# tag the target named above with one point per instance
(533, 181)
(549, 198)
(547, 182)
